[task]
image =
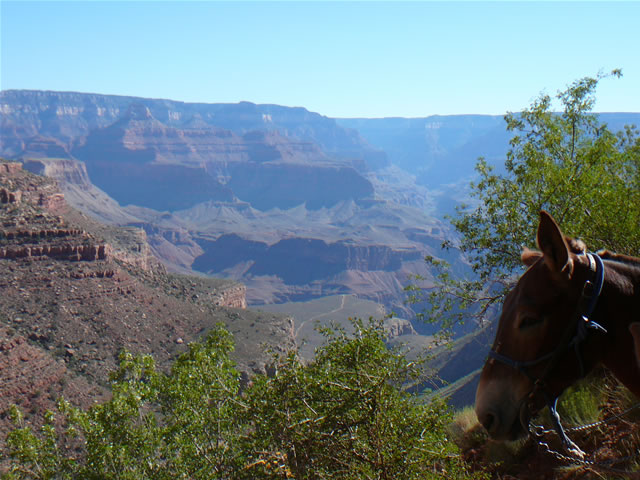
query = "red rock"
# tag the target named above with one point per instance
(10, 168)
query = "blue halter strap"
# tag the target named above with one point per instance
(585, 308)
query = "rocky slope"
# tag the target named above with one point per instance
(304, 205)
(75, 292)
(73, 180)
(32, 378)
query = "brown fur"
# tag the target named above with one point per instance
(538, 313)
(635, 331)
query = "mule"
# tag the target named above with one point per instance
(569, 312)
(635, 331)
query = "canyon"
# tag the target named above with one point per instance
(76, 292)
(150, 219)
(283, 200)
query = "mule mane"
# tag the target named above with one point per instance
(576, 245)
(617, 257)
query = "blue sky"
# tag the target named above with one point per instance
(341, 59)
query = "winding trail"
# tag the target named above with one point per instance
(335, 310)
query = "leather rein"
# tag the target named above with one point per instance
(572, 339)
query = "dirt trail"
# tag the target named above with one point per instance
(335, 310)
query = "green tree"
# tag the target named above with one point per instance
(155, 426)
(567, 163)
(200, 410)
(343, 415)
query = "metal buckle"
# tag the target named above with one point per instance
(588, 289)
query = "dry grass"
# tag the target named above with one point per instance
(617, 441)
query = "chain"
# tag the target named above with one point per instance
(538, 432)
(604, 464)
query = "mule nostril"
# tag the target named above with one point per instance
(489, 421)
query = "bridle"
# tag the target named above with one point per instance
(572, 339)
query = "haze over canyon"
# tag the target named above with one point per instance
(285, 204)
(293, 204)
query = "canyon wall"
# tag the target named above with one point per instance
(34, 228)
(60, 118)
(299, 260)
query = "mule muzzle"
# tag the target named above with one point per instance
(504, 422)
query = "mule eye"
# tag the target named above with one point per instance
(528, 321)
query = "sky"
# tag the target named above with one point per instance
(340, 59)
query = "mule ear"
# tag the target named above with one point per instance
(529, 257)
(553, 245)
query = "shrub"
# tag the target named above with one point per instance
(343, 415)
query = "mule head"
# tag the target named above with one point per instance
(535, 316)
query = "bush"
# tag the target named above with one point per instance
(344, 415)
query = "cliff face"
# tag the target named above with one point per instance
(73, 180)
(137, 160)
(283, 259)
(64, 171)
(298, 269)
(19, 188)
(284, 186)
(35, 225)
(234, 296)
(137, 150)
(75, 292)
(67, 116)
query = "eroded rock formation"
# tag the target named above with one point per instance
(234, 296)
(395, 327)
(10, 197)
(59, 252)
(18, 187)
(10, 168)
